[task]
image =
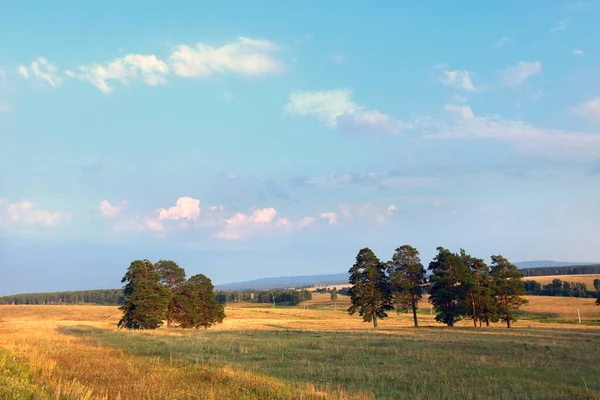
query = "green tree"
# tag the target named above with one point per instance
(333, 295)
(509, 287)
(145, 299)
(370, 293)
(172, 277)
(449, 281)
(196, 304)
(407, 276)
(597, 285)
(480, 300)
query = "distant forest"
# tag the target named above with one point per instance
(102, 296)
(288, 296)
(567, 270)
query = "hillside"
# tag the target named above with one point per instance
(286, 282)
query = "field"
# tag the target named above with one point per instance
(588, 279)
(53, 352)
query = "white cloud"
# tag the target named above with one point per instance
(516, 75)
(459, 79)
(369, 212)
(241, 225)
(590, 109)
(43, 70)
(108, 210)
(502, 41)
(336, 110)
(307, 221)
(185, 208)
(325, 105)
(578, 52)
(526, 137)
(561, 26)
(372, 120)
(464, 112)
(148, 68)
(24, 212)
(245, 56)
(331, 217)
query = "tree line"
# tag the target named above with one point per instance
(562, 288)
(566, 270)
(157, 292)
(460, 286)
(290, 297)
(103, 297)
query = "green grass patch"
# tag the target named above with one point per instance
(524, 363)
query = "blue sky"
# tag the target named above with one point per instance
(267, 138)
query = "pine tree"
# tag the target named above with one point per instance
(145, 298)
(508, 288)
(172, 277)
(450, 279)
(370, 293)
(480, 299)
(196, 304)
(407, 276)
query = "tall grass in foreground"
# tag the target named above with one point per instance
(287, 353)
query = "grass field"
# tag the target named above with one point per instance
(588, 279)
(51, 352)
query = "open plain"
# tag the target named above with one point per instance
(299, 353)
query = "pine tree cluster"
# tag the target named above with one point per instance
(460, 286)
(157, 292)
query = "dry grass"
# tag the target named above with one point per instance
(588, 279)
(291, 352)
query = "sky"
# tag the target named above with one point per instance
(268, 138)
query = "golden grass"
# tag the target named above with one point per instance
(63, 366)
(588, 279)
(37, 355)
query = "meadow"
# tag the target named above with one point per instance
(319, 352)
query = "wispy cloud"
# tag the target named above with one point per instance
(459, 79)
(43, 70)
(148, 68)
(590, 109)
(108, 210)
(244, 56)
(502, 41)
(516, 75)
(336, 110)
(526, 137)
(578, 52)
(560, 26)
(24, 212)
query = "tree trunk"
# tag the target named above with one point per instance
(487, 322)
(451, 323)
(474, 312)
(374, 321)
(480, 322)
(414, 309)
(508, 321)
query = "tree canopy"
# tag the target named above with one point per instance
(371, 293)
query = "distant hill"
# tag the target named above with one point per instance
(286, 282)
(336, 279)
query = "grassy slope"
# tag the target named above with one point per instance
(261, 352)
